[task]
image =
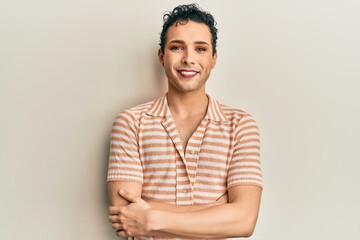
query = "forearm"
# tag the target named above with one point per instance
(180, 208)
(229, 220)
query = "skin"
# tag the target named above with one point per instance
(187, 49)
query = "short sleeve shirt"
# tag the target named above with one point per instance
(223, 152)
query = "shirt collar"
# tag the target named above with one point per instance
(160, 108)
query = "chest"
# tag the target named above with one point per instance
(186, 128)
(185, 179)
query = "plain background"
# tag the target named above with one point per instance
(67, 68)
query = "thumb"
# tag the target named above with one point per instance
(124, 194)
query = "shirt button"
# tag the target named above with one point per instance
(193, 152)
(185, 191)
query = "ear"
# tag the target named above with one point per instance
(214, 59)
(161, 57)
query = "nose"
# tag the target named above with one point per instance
(188, 57)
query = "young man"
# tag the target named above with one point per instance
(183, 165)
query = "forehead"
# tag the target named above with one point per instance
(189, 31)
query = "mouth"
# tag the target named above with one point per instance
(187, 73)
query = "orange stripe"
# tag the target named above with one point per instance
(126, 169)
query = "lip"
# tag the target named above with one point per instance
(187, 73)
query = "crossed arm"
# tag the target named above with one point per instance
(132, 216)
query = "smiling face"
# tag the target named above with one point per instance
(188, 58)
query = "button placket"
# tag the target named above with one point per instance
(196, 143)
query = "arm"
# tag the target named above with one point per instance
(187, 208)
(134, 190)
(235, 219)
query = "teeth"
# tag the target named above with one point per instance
(188, 73)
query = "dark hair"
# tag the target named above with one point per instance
(185, 13)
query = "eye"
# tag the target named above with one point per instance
(176, 48)
(201, 49)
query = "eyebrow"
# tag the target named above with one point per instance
(182, 42)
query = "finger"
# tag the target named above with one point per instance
(127, 196)
(121, 233)
(114, 219)
(117, 226)
(115, 209)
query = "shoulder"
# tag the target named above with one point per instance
(235, 114)
(243, 123)
(134, 113)
(240, 119)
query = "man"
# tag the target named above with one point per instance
(183, 165)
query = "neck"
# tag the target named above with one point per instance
(187, 104)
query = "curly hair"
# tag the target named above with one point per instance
(185, 13)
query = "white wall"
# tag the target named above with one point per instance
(68, 67)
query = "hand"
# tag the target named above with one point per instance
(130, 220)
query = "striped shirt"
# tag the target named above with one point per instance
(223, 152)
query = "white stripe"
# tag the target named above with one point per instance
(159, 165)
(194, 141)
(247, 144)
(126, 116)
(153, 133)
(246, 151)
(235, 181)
(116, 176)
(183, 186)
(182, 179)
(123, 137)
(158, 141)
(212, 156)
(209, 140)
(154, 121)
(212, 164)
(172, 133)
(225, 150)
(221, 127)
(154, 188)
(160, 157)
(157, 149)
(211, 187)
(181, 171)
(191, 164)
(154, 126)
(160, 180)
(120, 166)
(120, 144)
(119, 150)
(240, 157)
(255, 137)
(159, 173)
(241, 170)
(212, 179)
(217, 133)
(206, 171)
(168, 121)
(159, 196)
(251, 131)
(242, 176)
(123, 160)
(241, 164)
(124, 172)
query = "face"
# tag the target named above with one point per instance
(188, 58)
